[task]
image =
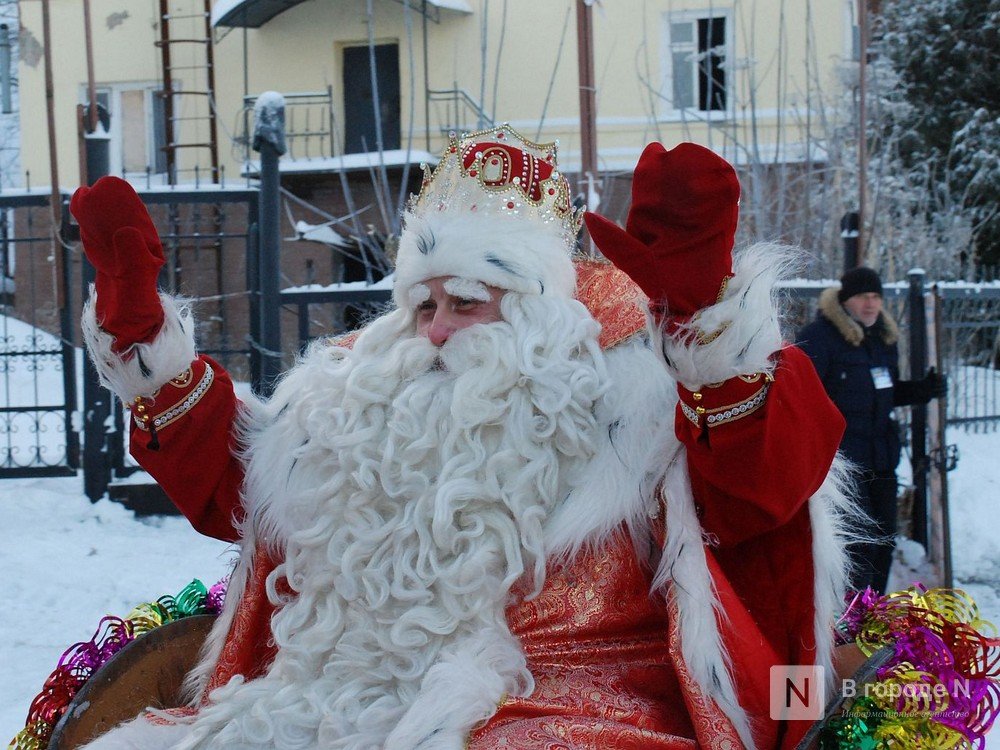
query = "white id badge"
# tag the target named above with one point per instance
(881, 378)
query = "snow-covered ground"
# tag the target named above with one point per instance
(67, 562)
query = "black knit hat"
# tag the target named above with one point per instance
(859, 281)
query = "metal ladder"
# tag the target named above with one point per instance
(194, 127)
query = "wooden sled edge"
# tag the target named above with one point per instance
(149, 671)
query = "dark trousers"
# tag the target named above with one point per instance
(872, 559)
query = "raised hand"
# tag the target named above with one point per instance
(120, 240)
(678, 239)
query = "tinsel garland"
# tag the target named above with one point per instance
(82, 660)
(941, 688)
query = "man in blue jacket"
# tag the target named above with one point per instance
(852, 343)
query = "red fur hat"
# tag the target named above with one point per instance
(678, 240)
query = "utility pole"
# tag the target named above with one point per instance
(588, 106)
(56, 199)
(91, 86)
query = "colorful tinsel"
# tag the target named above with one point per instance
(941, 688)
(82, 660)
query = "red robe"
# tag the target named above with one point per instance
(608, 665)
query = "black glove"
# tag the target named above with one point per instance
(937, 384)
(909, 392)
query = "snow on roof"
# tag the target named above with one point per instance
(250, 13)
(347, 162)
(222, 8)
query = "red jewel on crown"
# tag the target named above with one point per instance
(499, 170)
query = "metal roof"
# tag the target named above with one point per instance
(255, 13)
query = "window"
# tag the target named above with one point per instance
(698, 47)
(136, 127)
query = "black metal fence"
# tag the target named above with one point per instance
(38, 363)
(970, 353)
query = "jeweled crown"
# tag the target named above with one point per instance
(500, 172)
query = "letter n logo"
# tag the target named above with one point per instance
(797, 692)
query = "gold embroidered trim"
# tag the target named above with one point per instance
(178, 410)
(183, 380)
(707, 338)
(730, 413)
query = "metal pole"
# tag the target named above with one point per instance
(97, 462)
(269, 142)
(68, 323)
(849, 234)
(5, 83)
(50, 112)
(862, 129)
(942, 445)
(213, 135)
(427, 79)
(918, 424)
(91, 85)
(588, 105)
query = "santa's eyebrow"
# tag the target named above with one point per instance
(467, 289)
(418, 294)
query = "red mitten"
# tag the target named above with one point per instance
(121, 242)
(678, 240)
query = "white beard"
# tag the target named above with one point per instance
(405, 501)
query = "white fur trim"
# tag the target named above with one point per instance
(636, 417)
(684, 567)
(150, 365)
(505, 252)
(833, 517)
(749, 316)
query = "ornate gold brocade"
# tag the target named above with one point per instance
(248, 649)
(612, 298)
(598, 646)
(712, 728)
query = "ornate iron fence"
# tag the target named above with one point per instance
(38, 363)
(970, 353)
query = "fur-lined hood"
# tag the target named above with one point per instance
(852, 331)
